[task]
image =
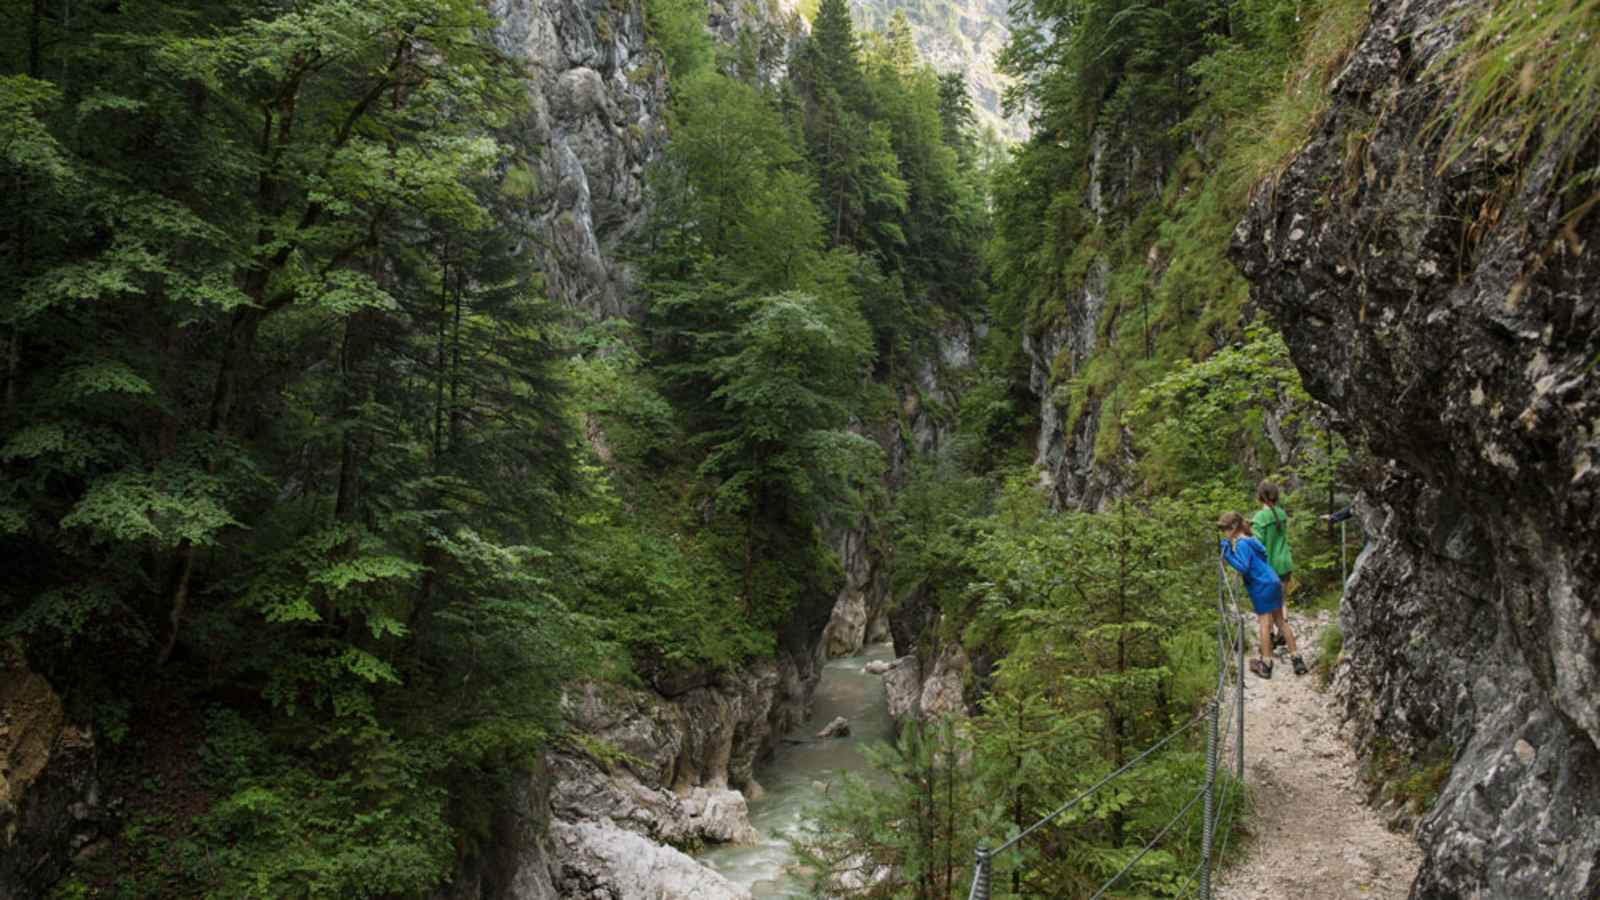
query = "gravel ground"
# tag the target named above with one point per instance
(1313, 837)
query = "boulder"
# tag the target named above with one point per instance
(601, 860)
(838, 728)
(49, 796)
(946, 683)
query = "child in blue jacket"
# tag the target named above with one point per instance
(1249, 556)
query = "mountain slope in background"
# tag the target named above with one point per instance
(956, 35)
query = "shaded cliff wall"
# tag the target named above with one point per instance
(596, 119)
(1451, 314)
(1071, 470)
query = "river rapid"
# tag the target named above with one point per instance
(792, 777)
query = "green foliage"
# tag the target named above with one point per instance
(1411, 779)
(910, 829)
(1329, 649)
(1102, 628)
(1526, 80)
(1204, 420)
(282, 429)
(668, 598)
(787, 388)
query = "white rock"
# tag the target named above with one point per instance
(633, 868)
(719, 815)
(902, 687)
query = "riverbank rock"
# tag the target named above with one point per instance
(1445, 305)
(902, 686)
(859, 615)
(49, 796)
(877, 667)
(671, 768)
(603, 861)
(838, 728)
(912, 695)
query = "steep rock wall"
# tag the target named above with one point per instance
(1070, 472)
(597, 95)
(664, 763)
(1451, 314)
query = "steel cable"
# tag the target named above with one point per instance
(1098, 785)
(1231, 646)
(1151, 845)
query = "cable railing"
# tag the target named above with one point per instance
(1215, 811)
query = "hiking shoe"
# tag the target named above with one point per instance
(1278, 641)
(1260, 668)
(1300, 666)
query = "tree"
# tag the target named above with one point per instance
(281, 416)
(911, 828)
(788, 390)
(901, 47)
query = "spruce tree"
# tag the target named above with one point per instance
(901, 46)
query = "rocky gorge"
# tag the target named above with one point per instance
(656, 770)
(1438, 303)
(1442, 302)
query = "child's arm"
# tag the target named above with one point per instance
(1232, 554)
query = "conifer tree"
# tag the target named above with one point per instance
(833, 54)
(901, 46)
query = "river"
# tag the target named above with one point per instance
(791, 776)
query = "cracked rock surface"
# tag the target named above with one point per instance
(1448, 309)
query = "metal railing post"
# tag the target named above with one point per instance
(1208, 829)
(1239, 741)
(980, 876)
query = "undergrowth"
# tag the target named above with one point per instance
(1330, 649)
(1413, 781)
(1527, 78)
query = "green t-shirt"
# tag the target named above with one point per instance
(1271, 527)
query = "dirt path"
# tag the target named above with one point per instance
(1312, 837)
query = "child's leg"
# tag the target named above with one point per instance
(1285, 630)
(1264, 624)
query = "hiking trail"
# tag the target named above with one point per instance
(1313, 835)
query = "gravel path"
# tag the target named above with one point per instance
(1313, 837)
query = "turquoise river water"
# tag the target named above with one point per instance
(792, 777)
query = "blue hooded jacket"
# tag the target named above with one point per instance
(1249, 556)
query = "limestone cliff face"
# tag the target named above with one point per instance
(1070, 471)
(597, 97)
(1452, 317)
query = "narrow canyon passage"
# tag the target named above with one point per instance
(795, 778)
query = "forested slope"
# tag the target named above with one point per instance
(439, 443)
(315, 503)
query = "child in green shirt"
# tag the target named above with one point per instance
(1270, 525)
